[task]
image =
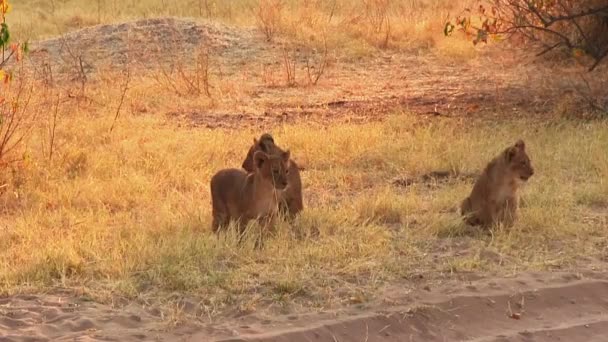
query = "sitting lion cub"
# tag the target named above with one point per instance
(240, 196)
(494, 196)
(291, 199)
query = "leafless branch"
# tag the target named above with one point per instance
(122, 98)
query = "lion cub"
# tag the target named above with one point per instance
(291, 199)
(494, 196)
(240, 196)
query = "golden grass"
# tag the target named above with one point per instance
(128, 212)
(361, 26)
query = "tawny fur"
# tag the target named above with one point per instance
(240, 196)
(494, 198)
(291, 202)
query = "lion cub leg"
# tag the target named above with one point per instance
(466, 210)
(266, 224)
(293, 205)
(219, 222)
(221, 218)
(507, 212)
(289, 207)
(284, 207)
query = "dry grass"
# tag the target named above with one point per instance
(127, 211)
(360, 26)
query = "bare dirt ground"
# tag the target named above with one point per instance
(350, 89)
(531, 307)
(527, 307)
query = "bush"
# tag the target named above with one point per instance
(15, 119)
(580, 26)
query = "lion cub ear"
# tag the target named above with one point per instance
(267, 137)
(520, 144)
(286, 155)
(511, 153)
(259, 158)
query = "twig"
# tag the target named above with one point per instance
(548, 49)
(321, 68)
(15, 117)
(598, 60)
(122, 98)
(333, 10)
(290, 68)
(53, 128)
(600, 10)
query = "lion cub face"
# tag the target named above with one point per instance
(273, 168)
(518, 161)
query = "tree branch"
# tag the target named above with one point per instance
(549, 49)
(598, 60)
(600, 10)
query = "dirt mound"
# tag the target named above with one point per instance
(142, 43)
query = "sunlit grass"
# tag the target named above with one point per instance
(129, 212)
(349, 26)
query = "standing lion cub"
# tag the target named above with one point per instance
(494, 196)
(290, 202)
(240, 196)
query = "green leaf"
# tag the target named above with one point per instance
(448, 29)
(25, 47)
(482, 36)
(5, 35)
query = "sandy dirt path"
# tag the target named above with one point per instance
(533, 307)
(529, 307)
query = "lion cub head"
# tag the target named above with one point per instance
(273, 168)
(518, 161)
(264, 144)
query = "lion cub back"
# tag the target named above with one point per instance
(226, 187)
(240, 196)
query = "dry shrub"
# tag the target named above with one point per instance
(16, 118)
(49, 127)
(585, 38)
(376, 15)
(313, 63)
(578, 27)
(370, 20)
(268, 17)
(394, 24)
(593, 31)
(310, 13)
(268, 76)
(289, 65)
(586, 98)
(184, 80)
(315, 67)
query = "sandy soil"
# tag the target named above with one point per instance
(529, 307)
